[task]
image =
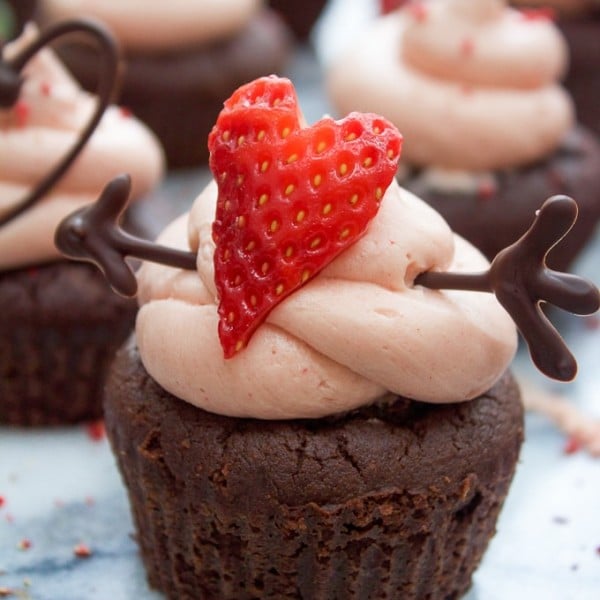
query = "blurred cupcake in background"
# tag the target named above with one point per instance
(181, 59)
(489, 131)
(60, 323)
(579, 20)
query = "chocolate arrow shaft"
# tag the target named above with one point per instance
(439, 280)
(129, 245)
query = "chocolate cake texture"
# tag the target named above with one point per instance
(395, 500)
(55, 351)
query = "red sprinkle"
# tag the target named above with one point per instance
(387, 6)
(486, 189)
(2, 501)
(24, 544)
(126, 113)
(538, 14)
(22, 112)
(467, 47)
(418, 11)
(572, 446)
(96, 431)
(82, 551)
(45, 88)
(89, 500)
(592, 323)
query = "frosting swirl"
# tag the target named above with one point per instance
(472, 85)
(359, 329)
(147, 26)
(38, 131)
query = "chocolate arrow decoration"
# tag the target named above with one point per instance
(92, 234)
(10, 87)
(518, 276)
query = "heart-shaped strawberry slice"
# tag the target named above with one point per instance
(290, 198)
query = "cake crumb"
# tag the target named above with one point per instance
(22, 112)
(592, 323)
(572, 446)
(538, 14)
(96, 431)
(583, 430)
(82, 551)
(45, 88)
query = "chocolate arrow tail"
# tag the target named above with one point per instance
(519, 278)
(92, 234)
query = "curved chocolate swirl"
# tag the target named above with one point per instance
(10, 85)
(518, 276)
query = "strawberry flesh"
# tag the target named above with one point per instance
(290, 198)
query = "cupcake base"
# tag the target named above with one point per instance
(396, 500)
(494, 219)
(180, 94)
(60, 325)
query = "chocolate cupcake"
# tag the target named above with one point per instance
(579, 21)
(374, 503)
(181, 59)
(60, 324)
(300, 412)
(489, 132)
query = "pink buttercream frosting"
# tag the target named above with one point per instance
(157, 25)
(471, 85)
(40, 129)
(358, 330)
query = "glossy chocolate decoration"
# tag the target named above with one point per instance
(519, 278)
